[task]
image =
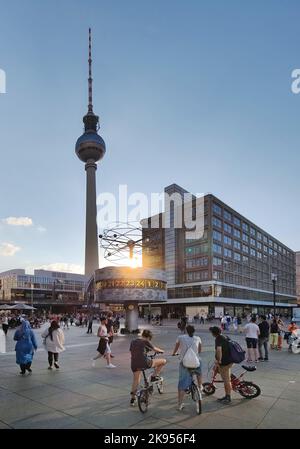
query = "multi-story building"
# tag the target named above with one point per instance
(298, 276)
(229, 269)
(43, 289)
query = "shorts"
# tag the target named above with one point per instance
(225, 372)
(251, 343)
(103, 346)
(146, 365)
(185, 378)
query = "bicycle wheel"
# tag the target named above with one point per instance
(160, 387)
(208, 388)
(143, 400)
(196, 396)
(249, 390)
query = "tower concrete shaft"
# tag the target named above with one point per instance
(91, 232)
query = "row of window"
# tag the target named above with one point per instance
(245, 227)
(196, 276)
(198, 262)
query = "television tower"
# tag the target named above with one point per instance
(90, 148)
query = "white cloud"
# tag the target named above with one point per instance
(41, 229)
(64, 267)
(8, 249)
(18, 221)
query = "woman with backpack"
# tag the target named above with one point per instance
(54, 340)
(187, 343)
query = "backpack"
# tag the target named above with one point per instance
(190, 359)
(236, 352)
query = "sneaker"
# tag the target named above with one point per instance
(29, 370)
(56, 365)
(155, 378)
(111, 366)
(49, 367)
(266, 360)
(224, 400)
(133, 402)
(180, 406)
(260, 359)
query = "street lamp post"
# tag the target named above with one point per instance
(274, 279)
(32, 286)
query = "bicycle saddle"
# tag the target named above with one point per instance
(249, 368)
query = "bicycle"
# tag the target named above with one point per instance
(144, 394)
(194, 390)
(247, 389)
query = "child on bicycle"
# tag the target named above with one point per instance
(140, 361)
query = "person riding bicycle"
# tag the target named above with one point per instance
(184, 342)
(140, 361)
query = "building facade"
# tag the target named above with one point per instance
(298, 276)
(229, 269)
(43, 289)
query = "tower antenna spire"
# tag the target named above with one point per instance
(90, 80)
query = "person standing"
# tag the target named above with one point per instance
(184, 342)
(274, 329)
(223, 363)
(25, 346)
(54, 340)
(90, 324)
(264, 333)
(252, 334)
(5, 324)
(103, 346)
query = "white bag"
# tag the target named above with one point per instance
(190, 359)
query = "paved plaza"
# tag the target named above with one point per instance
(78, 396)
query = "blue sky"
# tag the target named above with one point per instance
(193, 92)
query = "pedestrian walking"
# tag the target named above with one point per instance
(103, 346)
(25, 346)
(263, 340)
(54, 340)
(252, 334)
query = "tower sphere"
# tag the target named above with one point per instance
(90, 146)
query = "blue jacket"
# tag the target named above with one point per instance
(26, 343)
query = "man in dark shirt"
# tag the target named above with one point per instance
(263, 338)
(223, 363)
(140, 361)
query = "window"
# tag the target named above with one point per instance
(252, 231)
(259, 255)
(284, 251)
(265, 239)
(237, 221)
(279, 249)
(227, 252)
(237, 256)
(217, 209)
(265, 249)
(252, 241)
(237, 233)
(245, 238)
(217, 261)
(245, 259)
(245, 249)
(218, 275)
(259, 245)
(258, 235)
(275, 253)
(271, 242)
(270, 251)
(199, 262)
(217, 248)
(275, 246)
(217, 222)
(227, 240)
(227, 228)
(236, 244)
(252, 252)
(245, 227)
(227, 215)
(217, 236)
